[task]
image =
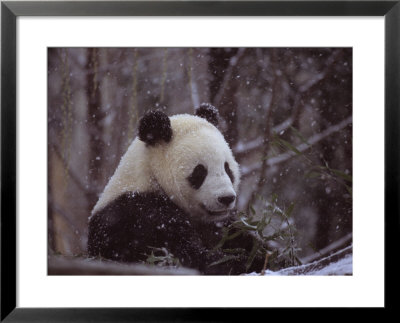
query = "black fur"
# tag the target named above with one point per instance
(198, 176)
(229, 172)
(128, 227)
(208, 112)
(155, 126)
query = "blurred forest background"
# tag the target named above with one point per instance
(285, 112)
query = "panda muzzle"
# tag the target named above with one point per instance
(214, 213)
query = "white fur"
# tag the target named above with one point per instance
(165, 167)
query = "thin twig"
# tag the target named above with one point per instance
(301, 148)
(242, 149)
(265, 264)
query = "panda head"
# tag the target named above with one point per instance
(191, 162)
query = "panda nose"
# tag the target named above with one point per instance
(226, 200)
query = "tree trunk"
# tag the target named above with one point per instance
(223, 86)
(95, 118)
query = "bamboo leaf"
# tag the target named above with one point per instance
(223, 239)
(312, 174)
(273, 236)
(234, 235)
(289, 146)
(235, 251)
(223, 259)
(252, 255)
(298, 260)
(299, 135)
(247, 225)
(290, 210)
(349, 190)
(343, 175)
(261, 223)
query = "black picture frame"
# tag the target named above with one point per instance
(10, 10)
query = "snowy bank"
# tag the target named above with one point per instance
(339, 263)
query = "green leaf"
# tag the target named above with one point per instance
(252, 255)
(151, 259)
(349, 190)
(262, 224)
(247, 225)
(290, 210)
(252, 210)
(273, 236)
(235, 251)
(242, 214)
(299, 135)
(343, 175)
(289, 146)
(313, 174)
(223, 239)
(234, 235)
(298, 260)
(275, 142)
(270, 208)
(223, 259)
(260, 197)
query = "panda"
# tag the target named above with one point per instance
(174, 189)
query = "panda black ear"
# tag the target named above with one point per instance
(208, 112)
(155, 126)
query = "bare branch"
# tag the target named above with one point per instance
(284, 125)
(324, 252)
(320, 76)
(302, 147)
(310, 142)
(317, 266)
(244, 148)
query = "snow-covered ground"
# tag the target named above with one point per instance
(338, 263)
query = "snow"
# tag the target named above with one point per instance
(341, 267)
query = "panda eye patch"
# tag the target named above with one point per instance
(198, 176)
(229, 172)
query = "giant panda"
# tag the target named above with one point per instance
(174, 189)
